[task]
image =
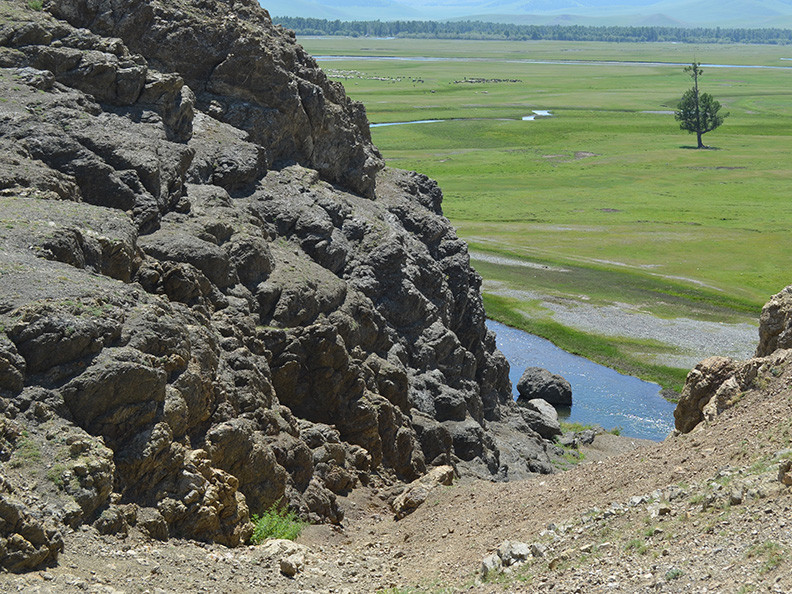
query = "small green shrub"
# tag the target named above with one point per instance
(276, 523)
(773, 553)
(55, 474)
(27, 451)
(36, 5)
(574, 427)
(673, 574)
(636, 545)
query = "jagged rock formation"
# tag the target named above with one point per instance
(196, 323)
(718, 383)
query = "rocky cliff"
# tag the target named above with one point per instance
(213, 296)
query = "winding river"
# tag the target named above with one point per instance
(599, 394)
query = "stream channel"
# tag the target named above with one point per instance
(600, 395)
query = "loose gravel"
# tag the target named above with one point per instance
(693, 340)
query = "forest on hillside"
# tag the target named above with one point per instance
(504, 31)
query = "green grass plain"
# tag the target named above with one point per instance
(609, 186)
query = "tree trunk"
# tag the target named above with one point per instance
(700, 143)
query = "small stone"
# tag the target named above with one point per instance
(513, 552)
(637, 500)
(491, 564)
(538, 549)
(657, 509)
(292, 564)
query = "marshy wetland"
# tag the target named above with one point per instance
(606, 200)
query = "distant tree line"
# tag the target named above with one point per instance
(504, 31)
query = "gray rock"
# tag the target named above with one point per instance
(536, 382)
(701, 385)
(512, 553)
(775, 324)
(12, 367)
(541, 417)
(26, 543)
(491, 565)
(152, 524)
(538, 549)
(296, 114)
(417, 492)
(111, 521)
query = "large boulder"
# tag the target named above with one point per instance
(541, 416)
(540, 383)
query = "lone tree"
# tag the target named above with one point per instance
(698, 112)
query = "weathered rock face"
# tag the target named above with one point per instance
(536, 382)
(245, 72)
(718, 383)
(192, 330)
(775, 324)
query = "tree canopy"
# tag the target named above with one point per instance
(698, 112)
(507, 31)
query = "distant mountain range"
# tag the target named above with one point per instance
(680, 13)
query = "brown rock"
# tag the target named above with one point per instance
(418, 491)
(700, 386)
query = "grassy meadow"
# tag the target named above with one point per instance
(606, 199)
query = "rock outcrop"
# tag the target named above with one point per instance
(212, 294)
(718, 383)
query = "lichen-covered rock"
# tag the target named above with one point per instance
(237, 67)
(718, 383)
(152, 524)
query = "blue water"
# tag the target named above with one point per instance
(403, 123)
(599, 394)
(340, 58)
